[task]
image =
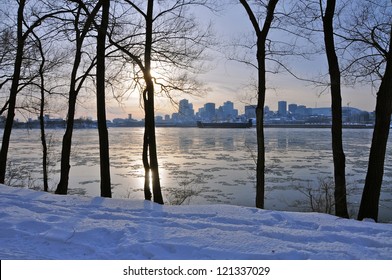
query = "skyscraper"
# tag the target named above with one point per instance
(250, 111)
(185, 110)
(209, 111)
(293, 108)
(282, 108)
(228, 110)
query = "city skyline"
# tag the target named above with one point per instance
(283, 109)
(166, 107)
(228, 110)
(298, 116)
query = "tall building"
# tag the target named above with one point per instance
(201, 113)
(228, 111)
(282, 108)
(185, 110)
(228, 106)
(302, 110)
(209, 111)
(293, 108)
(250, 111)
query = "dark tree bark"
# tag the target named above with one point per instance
(371, 193)
(22, 36)
(149, 110)
(43, 142)
(261, 34)
(149, 155)
(42, 113)
(339, 159)
(75, 85)
(13, 92)
(163, 33)
(146, 164)
(62, 187)
(101, 107)
(149, 124)
(10, 105)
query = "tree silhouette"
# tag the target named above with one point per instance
(375, 35)
(101, 107)
(339, 158)
(81, 27)
(261, 34)
(161, 38)
(23, 32)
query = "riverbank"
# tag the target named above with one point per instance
(38, 225)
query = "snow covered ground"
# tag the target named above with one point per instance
(38, 225)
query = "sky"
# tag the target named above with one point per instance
(229, 80)
(36, 225)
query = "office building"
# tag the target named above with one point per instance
(209, 111)
(293, 108)
(185, 110)
(250, 111)
(228, 111)
(282, 108)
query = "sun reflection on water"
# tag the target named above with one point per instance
(217, 162)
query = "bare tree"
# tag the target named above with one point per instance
(149, 145)
(13, 92)
(261, 34)
(368, 33)
(312, 14)
(360, 38)
(41, 71)
(101, 107)
(81, 27)
(161, 38)
(339, 158)
(25, 26)
(7, 58)
(49, 64)
(371, 193)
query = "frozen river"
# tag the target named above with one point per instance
(218, 164)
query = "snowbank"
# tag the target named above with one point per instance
(38, 225)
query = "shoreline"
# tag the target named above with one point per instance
(191, 125)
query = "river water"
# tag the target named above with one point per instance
(217, 164)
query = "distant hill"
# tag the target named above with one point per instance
(326, 111)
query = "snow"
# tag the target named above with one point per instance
(39, 225)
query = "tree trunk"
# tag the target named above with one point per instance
(44, 146)
(62, 187)
(339, 159)
(149, 110)
(260, 168)
(146, 164)
(101, 107)
(13, 93)
(41, 118)
(42, 121)
(152, 174)
(371, 193)
(154, 167)
(261, 56)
